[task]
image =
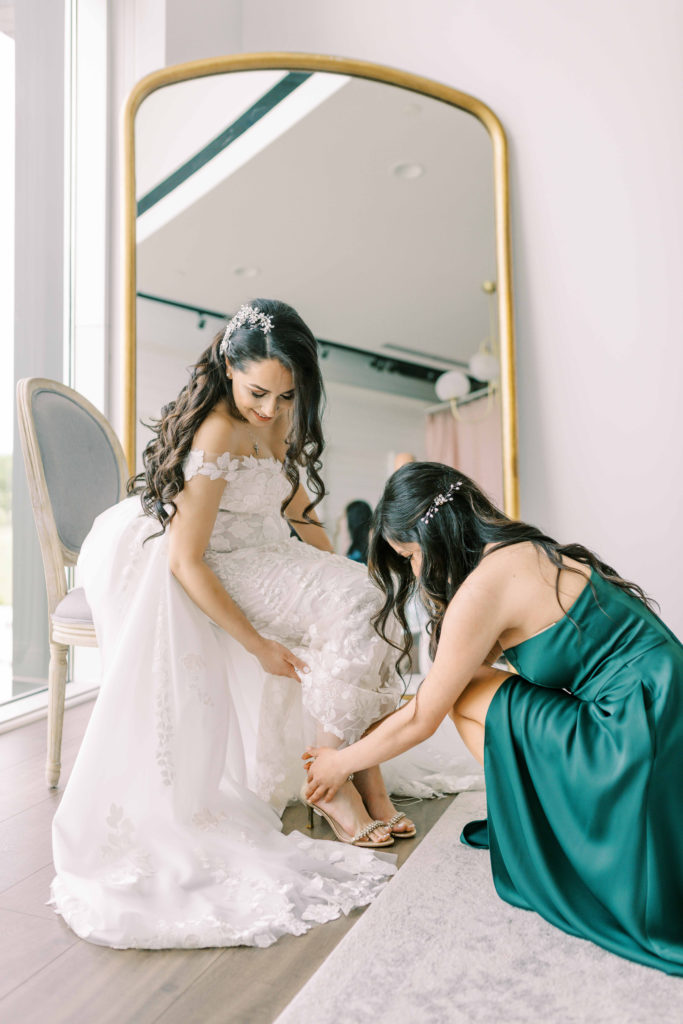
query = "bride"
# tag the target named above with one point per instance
(227, 644)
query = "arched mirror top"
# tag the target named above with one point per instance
(338, 119)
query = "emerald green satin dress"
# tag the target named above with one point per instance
(584, 778)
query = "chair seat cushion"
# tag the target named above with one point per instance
(73, 609)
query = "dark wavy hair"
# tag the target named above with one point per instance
(359, 518)
(452, 543)
(292, 343)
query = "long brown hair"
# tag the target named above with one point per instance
(452, 543)
(289, 341)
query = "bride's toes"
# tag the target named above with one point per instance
(400, 826)
(378, 836)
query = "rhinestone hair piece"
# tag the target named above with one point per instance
(440, 500)
(245, 315)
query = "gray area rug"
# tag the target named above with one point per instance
(440, 947)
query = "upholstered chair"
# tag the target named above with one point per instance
(75, 468)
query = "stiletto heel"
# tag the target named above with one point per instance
(361, 837)
(310, 816)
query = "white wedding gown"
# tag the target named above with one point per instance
(168, 831)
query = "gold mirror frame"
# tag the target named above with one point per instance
(358, 69)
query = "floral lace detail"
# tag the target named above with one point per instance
(249, 511)
(164, 706)
(131, 861)
(320, 606)
(219, 822)
(208, 821)
(129, 561)
(337, 879)
(195, 670)
(277, 776)
(196, 464)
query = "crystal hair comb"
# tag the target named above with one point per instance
(245, 315)
(440, 500)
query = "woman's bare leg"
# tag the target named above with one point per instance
(347, 806)
(471, 733)
(470, 709)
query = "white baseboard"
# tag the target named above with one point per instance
(24, 710)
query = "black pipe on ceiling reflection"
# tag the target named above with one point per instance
(382, 364)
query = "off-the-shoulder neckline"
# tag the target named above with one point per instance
(236, 458)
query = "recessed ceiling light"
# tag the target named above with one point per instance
(408, 172)
(246, 271)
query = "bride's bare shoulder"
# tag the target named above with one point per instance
(216, 433)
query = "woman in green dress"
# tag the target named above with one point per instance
(581, 740)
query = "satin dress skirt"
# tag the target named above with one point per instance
(584, 779)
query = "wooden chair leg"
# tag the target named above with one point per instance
(56, 685)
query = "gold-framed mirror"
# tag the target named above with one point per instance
(373, 200)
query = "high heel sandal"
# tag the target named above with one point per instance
(361, 837)
(406, 833)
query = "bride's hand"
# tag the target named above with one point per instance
(325, 775)
(276, 659)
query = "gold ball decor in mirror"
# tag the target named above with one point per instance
(373, 201)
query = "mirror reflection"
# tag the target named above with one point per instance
(366, 206)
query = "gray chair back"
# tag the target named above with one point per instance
(83, 472)
(75, 468)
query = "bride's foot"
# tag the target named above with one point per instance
(349, 820)
(371, 787)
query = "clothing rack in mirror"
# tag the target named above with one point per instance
(465, 400)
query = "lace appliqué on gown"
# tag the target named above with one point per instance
(317, 604)
(164, 708)
(129, 862)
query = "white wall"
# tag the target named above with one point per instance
(589, 94)
(191, 27)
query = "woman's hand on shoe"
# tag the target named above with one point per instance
(325, 773)
(278, 660)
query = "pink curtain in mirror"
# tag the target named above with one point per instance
(471, 443)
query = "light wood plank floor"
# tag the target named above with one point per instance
(49, 975)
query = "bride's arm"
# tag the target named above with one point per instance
(474, 620)
(310, 533)
(314, 535)
(189, 533)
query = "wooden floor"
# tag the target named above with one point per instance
(48, 975)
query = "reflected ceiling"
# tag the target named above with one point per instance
(379, 260)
